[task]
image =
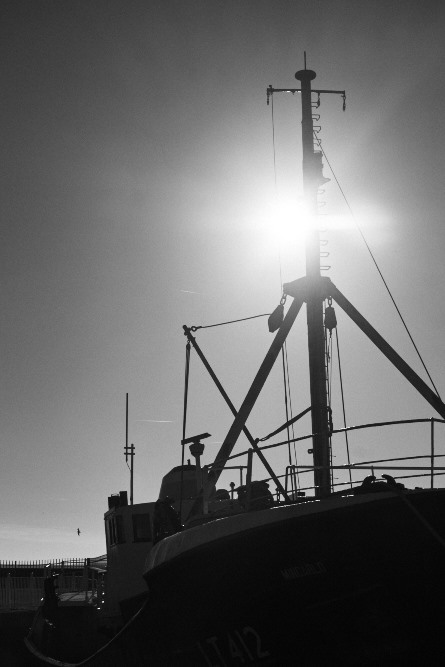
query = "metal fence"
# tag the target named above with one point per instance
(20, 592)
(22, 583)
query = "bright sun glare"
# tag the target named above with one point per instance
(286, 224)
(283, 226)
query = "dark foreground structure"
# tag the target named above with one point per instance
(349, 577)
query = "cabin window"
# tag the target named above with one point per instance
(120, 536)
(115, 530)
(108, 532)
(141, 528)
(112, 525)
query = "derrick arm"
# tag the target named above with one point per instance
(232, 408)
(412, 377)
(248, 403)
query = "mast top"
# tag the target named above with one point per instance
(305, 75)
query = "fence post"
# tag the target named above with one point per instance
(9, 590)
(85, 579)
(61, 578)
(33, 589)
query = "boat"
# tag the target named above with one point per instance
(249, 576)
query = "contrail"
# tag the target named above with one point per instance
(189, 291)
(157, 421)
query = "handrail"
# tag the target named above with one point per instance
(311, 488)
(367, 465)
(356, 428)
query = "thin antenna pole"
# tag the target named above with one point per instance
(131, 473)
(129, 451)
(126, 424)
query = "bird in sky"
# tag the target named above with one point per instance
(78, 531)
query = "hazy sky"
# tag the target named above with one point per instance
(137, 183)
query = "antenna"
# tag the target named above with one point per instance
(304, 59)
(129, 451)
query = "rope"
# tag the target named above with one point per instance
(273, 144)
(184, 418)
(285, 362)
(292, 411)
(328, 362)
(380, 272)
(286, 404)
(289, 410)
(220, 324)
(290, 423)
(343, 405)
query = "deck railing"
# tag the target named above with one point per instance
(396, 466)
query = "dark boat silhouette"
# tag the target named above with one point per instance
(352, 576)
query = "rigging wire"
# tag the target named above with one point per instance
(328, 361)
(285, 361)
(184, 418)
(186, 388)
(274, 150)
(292, 424)
(380, 272)
(286, 402)
(220, 324)
(343, 405)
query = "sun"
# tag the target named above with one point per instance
(285, 224)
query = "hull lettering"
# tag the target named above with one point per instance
(304, 570)
(239, 647)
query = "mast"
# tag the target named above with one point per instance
(316, 344)
(313, 291)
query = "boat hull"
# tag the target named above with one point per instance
(361, 579)
(349, 580)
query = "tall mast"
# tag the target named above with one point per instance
(316, 344)
(312, 291)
